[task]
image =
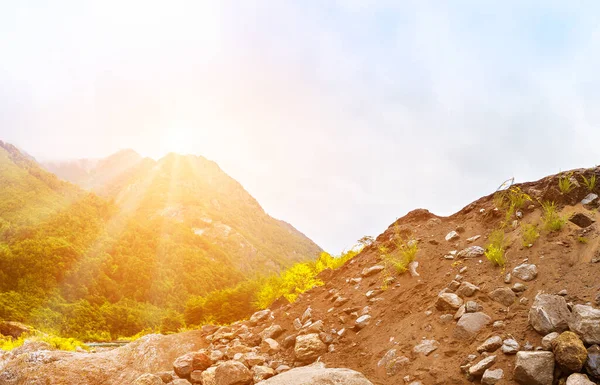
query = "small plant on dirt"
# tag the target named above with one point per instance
(400, 254)
(590, 184)
(530, 234)
(495, 250)
(552, 221)
(582, 240)
(565, 185)
(510, 200)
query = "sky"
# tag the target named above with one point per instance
(337, 116)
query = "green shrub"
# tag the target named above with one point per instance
(530, 234)
(590, 184)
(552, 221)
(495, 250)
(565, 185)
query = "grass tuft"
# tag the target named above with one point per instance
(552, 221)
(565, 185)
(495, 250)
(530, 234)
(590, 184)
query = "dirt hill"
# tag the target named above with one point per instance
(453, 319)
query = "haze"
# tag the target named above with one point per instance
(338, 117)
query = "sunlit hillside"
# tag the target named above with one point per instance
(98, 267)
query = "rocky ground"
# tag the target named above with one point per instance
(453, 318)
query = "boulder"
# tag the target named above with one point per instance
(490, 377)
(451, 236)
(232, 373)
(470, 324)
(503, 296)
(549, 313)
(534, 368)
(592, 365)
(490, 345)
(466, 289)
(317, 375)
(184, 365)
(471, 252)
(448, 301)
(260, 316)
(579, 379)
(479, 368)
(148, 379)
(569, 352)
(585, 321)
(525, 272)
(269, 345)
(309, 347)
(208, 376)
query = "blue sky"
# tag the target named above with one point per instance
(338, 116)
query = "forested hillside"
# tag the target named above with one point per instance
(79, 264)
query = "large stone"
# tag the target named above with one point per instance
(208, 376)
(592, 365)
(569, 352)
(585, 321)
(261, 373)
(451, 236)
(184, 365)
(534, 368)
(470, 324)
(591, 197)
(525, 272)
(479, 368)
(317, 375)
(490, 345)
(309, 347)
(471, 252)
(448, 301)
(260, 316)
(362, 321)
(503, 296)
(232, 373)
(549, 313)
(490, 377)
(466, 289)
(579, 379)
(510, 346)
(270, 346)
(148, 379)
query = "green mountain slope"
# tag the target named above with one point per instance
(80, 264)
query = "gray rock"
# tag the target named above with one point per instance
(479, 368)
(534, 368)
(471, 252)
(490, 345)
(490, 377)
(549, 313)
(519, 287)
(426, 347)
(232, 373)
(510, 346)
(466, 289)
(448, 301)
(525, 272)
(446, 318)
(472, 307)
(273, 331)
(592, 365)
(503, 296)
(367, 272)
(451, 236)
(585, 321)
(309, 347)
(579, 379)
(260, 316)
(473, 238)
(547, 340)
(470, 324)
(589, 199)
(148, 379)
(317, 375)
(392, 363)
(362, 321)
